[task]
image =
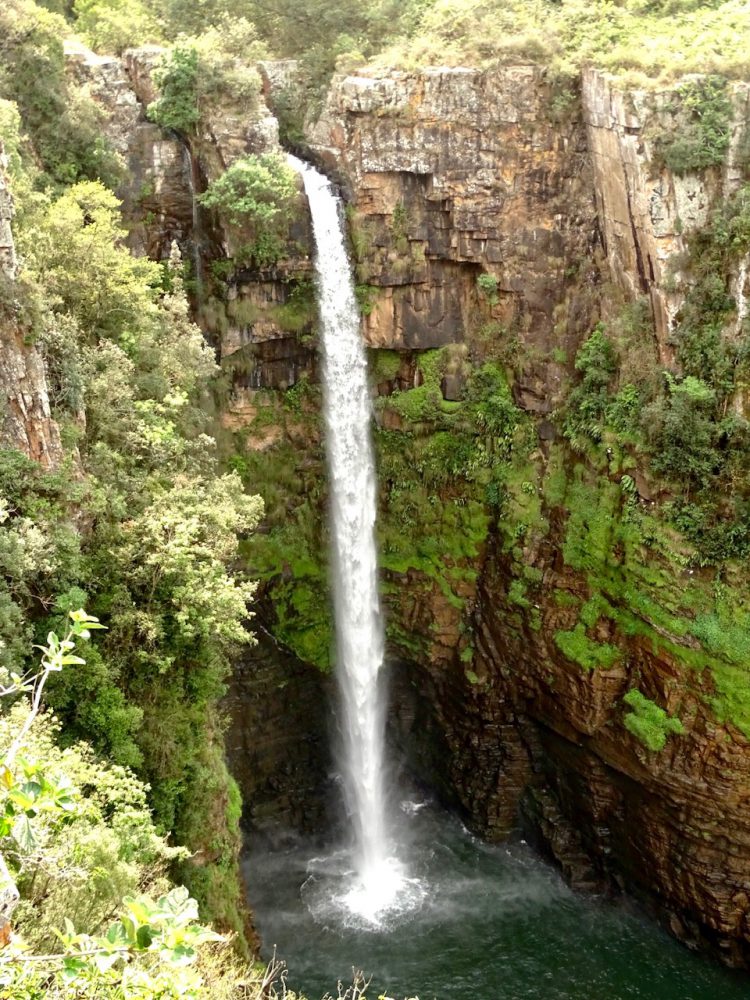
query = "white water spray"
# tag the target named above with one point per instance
(379, 880)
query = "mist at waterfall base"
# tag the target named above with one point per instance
(495, 923)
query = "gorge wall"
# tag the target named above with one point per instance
(498, 224)
(26, 422)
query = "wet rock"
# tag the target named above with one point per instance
(278, 744)
(26, 422)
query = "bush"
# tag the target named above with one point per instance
(704, 124)
(256, 195)
(487, 285)
(177, 79)
(649, 723)
(256, 189)
(64, 124)
(588, 402)
(114, 25)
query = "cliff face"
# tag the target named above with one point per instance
(26, 422)
(453, 174)
(647, 214)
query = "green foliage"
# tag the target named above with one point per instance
(161, 526)
(114, 25)
(589, 401)
(634, 567)
(587, 653)
(703, 133)
(647, 41)
(63, 123)
(695, 438)
(73, 849)
(384, 365)
(487, 285)
(255, 189)
(304, 617)
(493, 408)
(681, 423)
(436, 475)
(76, 250)
(649, 723)
(324, 34)
(177, 79)
(290, 555)
(256, 193)
(415, 405)
(367, 296)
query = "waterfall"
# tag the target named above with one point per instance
(196, 235)
(740, 297)
(359, 629)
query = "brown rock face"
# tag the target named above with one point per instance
(453, 174)
(531, 733)
(456, 173)
(26, 422)
(647, 213)
(278, 740)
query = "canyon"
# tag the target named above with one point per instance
(514, 636)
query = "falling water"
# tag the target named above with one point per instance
(196, 234)
(378, 879)
(740, 296)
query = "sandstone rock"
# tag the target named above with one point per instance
(277, 743)
(646, 214)
(26, 422)
(103, 79)
(456, 172)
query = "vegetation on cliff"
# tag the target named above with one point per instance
(139, 524)
(648, 41)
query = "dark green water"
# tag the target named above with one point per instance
(496, 923)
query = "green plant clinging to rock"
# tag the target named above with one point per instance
(702, 136)
(256, 194)
(177, 78)
(649, 723)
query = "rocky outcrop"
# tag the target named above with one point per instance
(278, 744)
(646, 211)
(26, 422)
(457, 173)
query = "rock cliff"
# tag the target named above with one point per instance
(493, 220)
(27, 424)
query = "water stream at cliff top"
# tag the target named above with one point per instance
(368, 880)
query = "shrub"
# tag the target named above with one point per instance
(649, 723)
(681, 429)
(704, 122)
(256, 194)
(64, 124)
(588, 402)
(114, 25)
(177, 79)
(487, 285)
(256, 189)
